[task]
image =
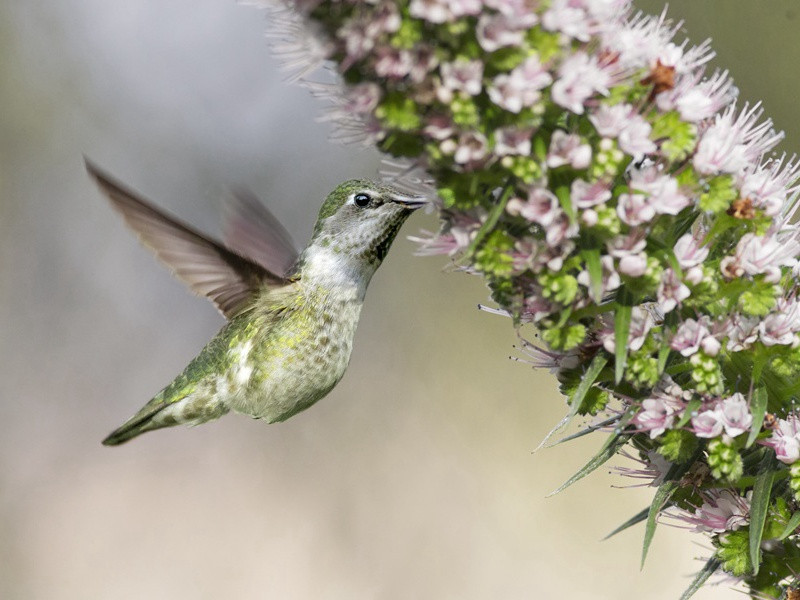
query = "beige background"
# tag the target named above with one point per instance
(415, 478)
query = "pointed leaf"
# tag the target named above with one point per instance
(596, 366)
(791, 525)
(663, 356)
(587, 430)
(758, 407)
(622, 325)
(707, 571)
(665, 491)
(609, 449)
(759, 505)
(595, 269)
(637, 518)
(491, 221)
(690, 409)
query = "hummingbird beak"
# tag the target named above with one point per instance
(410, 202)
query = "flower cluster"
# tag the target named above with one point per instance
(612, 193)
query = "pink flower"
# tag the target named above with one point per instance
(732, 143)
(708, 424)
(586, 195)
(696, 99)
(541, 207)
(362, 98)
(671, 291)
(439, 127)
(785, 440)
(756, 255)
(623, 122)
(610, 278)
(498, 31)
(663, 192)
(742, 332)
(735, 415)
(463, 76)
(770, 184)
(392, 63)
(781, 326)
(656, 416)
(580, 77)
(472, 147)
(521, 87)
(567, 18)
(635, 209)
(630, 252)
(521, 12)
(433, 11)
(689, 337)
(689, 250)
(722, 511)
(566, 149)
(641, 323)
(510, 140)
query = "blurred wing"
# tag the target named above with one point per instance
(209, 269)
(252, 231)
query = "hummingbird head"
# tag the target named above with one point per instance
(361, 218)
(357, 224)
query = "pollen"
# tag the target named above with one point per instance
(661, 77)
(742, 209)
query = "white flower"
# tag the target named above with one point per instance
(567, 149)
(521, 87)
(735, 415)
(463, 76)
(580, 77)
(671, 291)
(732, 143)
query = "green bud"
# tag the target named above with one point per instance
(719, 195)
(706, 373)
(679, 136)
(677, 445)
(724, 460)
(564, 338)
(559, 287)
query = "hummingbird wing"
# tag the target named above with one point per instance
(210, 269)
(251, 230)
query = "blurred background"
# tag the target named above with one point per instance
(415, 478)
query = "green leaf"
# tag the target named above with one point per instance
(691, 408)
(588, 379)
(583, 432)
(758, 407)
(759, 505)
(491, 221)
(609, 449)
(665, 491)
(595, 269)
(792, 524)
(622, 325)
(637, 518)
(663, 356)
(707, 571)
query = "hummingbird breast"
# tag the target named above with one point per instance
(296, 357)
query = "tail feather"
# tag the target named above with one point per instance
(137, 425)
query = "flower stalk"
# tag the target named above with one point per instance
(613, 195)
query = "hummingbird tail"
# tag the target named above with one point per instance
(183, 409)
(133, 428)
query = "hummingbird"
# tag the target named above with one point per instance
(290, 317)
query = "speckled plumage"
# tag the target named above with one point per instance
(289, 342)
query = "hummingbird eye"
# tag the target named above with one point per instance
(362, 200)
